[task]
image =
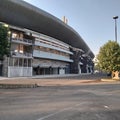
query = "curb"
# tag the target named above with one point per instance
(14, 86)
(109, 80)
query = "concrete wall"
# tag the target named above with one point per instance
(19, 71)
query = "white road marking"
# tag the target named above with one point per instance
(47, 116)
(50, 115)
(60, 111)
(106, 107)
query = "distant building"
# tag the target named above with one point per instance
(41, 44)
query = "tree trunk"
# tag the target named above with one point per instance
(115, 75)
(1, 67)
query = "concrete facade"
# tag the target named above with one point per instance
(40, 50)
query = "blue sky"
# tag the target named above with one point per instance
(92, 19)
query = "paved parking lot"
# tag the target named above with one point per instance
(77, 102)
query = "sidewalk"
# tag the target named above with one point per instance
(54, 80)
(43, 76)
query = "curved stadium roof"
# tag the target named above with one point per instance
(22, 14)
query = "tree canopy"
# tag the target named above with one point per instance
(4, 43)
(109, 57)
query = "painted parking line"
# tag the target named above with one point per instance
(66, 109)
(50, 115)
(60, 111)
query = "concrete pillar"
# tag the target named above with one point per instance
(91, 70)
(87, 69)
(79, 68)
(5, 67)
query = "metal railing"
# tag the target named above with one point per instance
(18, 54)
(24, 40)
(48, 55)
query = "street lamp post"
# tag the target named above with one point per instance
(115, 18)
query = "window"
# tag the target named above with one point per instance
(11, 62)
(20, 62)
(29, 62)
(14, 35)
(21, 36)
(25, 62)
(16, 61)
(21, 48)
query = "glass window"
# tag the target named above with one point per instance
(21, 48)
(25, 62)
(16, 61)
(11, 61)
(14, 35)
(20, 62)
(29, 62)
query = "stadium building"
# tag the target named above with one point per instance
(41, 44)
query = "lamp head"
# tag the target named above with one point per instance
(115, 17)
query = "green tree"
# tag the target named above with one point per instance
(109, 57)
(4, 43)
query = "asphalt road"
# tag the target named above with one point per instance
(83, 102)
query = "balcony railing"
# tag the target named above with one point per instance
(52, 47)
(23, 41)
(23, 55)
(48, 55)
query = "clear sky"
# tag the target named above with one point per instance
(92, 19)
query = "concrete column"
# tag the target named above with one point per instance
(79, 68)
(5, 67)
(91, 71)
(87, 69)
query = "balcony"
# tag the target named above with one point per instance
(52, 47)
(48, 55)
(21, 55)
(22, 41)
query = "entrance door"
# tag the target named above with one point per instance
(61, 71)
